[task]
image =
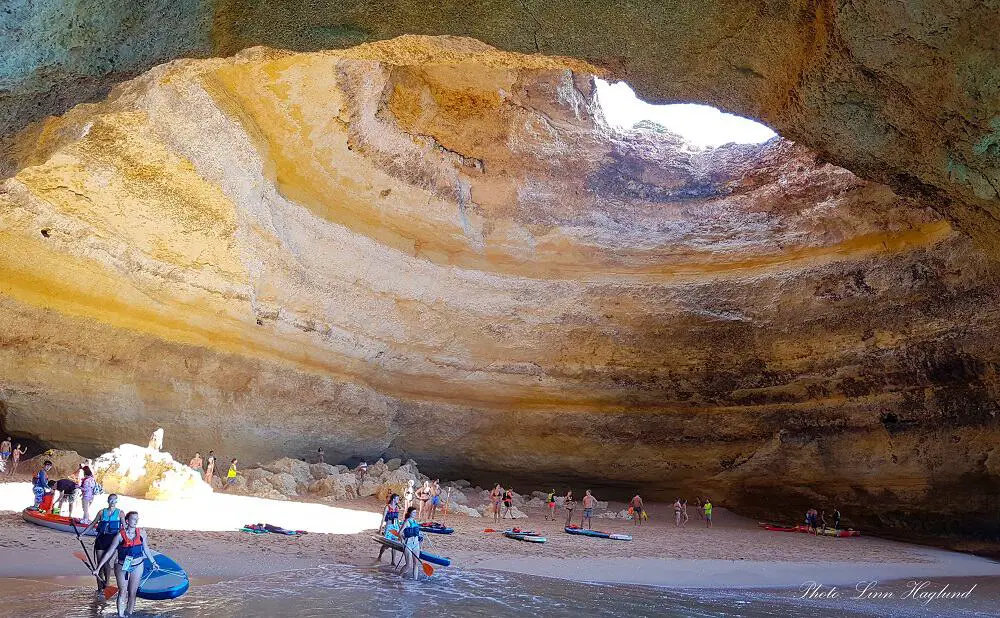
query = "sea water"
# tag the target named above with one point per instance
(340, 590)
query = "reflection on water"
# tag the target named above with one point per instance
(346, 590)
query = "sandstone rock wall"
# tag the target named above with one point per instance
(430, 248)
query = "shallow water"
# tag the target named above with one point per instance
(346, 590)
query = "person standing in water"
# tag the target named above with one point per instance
(569, 504)
(40, 483)
(636, 505)
(196, 463)
(132, 549)
(107, 522)
(707, 507)
(411, 542)
(588, 509)
(15, 456)
(210, 468)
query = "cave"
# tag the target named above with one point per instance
(268, 233)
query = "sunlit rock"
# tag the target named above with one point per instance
(132, 470)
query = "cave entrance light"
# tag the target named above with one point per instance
(701, 126)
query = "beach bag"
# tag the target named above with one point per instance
(631, 511)
(644, 516)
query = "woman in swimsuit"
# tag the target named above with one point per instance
(108, 523)
(423, 495)
(684, 513)
(132, 551)
(411, 541)
(15, 456)
(569, 504)
(495, 497)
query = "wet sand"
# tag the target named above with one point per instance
(735, 553)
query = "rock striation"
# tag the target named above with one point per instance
(430, 248)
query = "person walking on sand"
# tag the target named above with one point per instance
(231, 475)
(636, 505)
(4, 452)
(132, 549)
(15, 457)
(569, 504)
(156, 439)
(677, 512)
(589, 501)
(684, 513)
(107, 522)
(550, 503)
(408, 496)
(495, 497)
(87, 488)
(196, 463)
(210, 467)
(707, 508)
(40, 483)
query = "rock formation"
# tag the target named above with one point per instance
(131, 470)
(432, 248)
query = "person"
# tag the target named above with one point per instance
(495, 497)
(423, 495)
(107, 522)
(320, 456)
(408, 495)
(411, 542)
(707, 508)
(87, 488)
(15, 456)
(4, 452)
(231, 475)
(822, 520)
(435, 498)
(550, 501)
(392, 532)
(210, 467)
(836, 518)
(156, 439)
(636, 505)
(40, 483)
(811, 520)
(677, 512)
(132, 549)
(698, 507)
(68, 491)
(362, 471)
(684, 513)
(588, 509)
(569, 504)
(391, 514)
(196, 463)
(508, 503)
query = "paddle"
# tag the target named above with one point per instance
(428, 569)
(109, 591)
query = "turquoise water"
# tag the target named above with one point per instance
(335, 590)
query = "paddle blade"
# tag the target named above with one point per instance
(82, 556)
(397, 533)
(109, 592)
(488, 530)
(428, 569)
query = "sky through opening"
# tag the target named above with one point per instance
(700, 125)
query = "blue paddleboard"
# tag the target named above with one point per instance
(168, 582)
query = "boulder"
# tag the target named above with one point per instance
(322, 470)
(393, 464)
(255, 474)
(284, 483)
(455, 497)
(64, 463)
(464, 510)
(239, 486)
(377, 470)
(536, 502)
(462, 484)
(133, 470)
(541, 495)
(296, 467)
(368, 488)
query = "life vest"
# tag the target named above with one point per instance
(550, 498)
(130, 547)
(411, 529)
(110, 523)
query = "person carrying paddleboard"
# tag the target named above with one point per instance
(107, 522)
(132, 549)
(411, 540)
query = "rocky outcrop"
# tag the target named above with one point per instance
(431, 248)
(131, 470)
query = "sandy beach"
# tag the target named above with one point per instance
(735, 553)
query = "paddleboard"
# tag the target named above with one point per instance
(597, 534)
(169, 581)
(435, 528)
(529, 536)
(56, 522)
(424, 555)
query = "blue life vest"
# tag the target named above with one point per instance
(411, 529)
(107, 525)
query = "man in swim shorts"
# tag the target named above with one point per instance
(636, 505)
(708, 512)
(588, 509)
(4, 452)
(435, 498)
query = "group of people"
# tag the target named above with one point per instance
(817, 521)
(428, 498)
(206, 468)
(681, 513)
(406, 532)
(53, 495)
(10, 455)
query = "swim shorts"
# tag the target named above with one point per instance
(436, 500)
(588, 512)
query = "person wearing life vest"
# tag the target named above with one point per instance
(132, 549)
(108, 523)
(40, 483)
(411, 541)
